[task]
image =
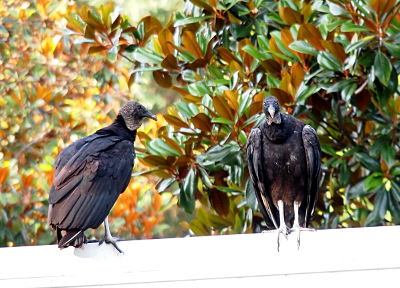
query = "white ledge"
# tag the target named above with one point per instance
(364, 257)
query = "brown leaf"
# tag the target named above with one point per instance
(172, 143)
(155, 160)
(246, 57)
(96, 49)
(191, 45)
(163, 79)
(166, 36)
(311, 34)
(176, 122)
(290, 16)
(226, 55)
(335, 49)
(272, 67)
(282, 96)
(232, 97)
(222, 108)
(219, 201)
(170, 63)
(203, 122)
(297, 75)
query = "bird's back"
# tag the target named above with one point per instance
(90, 174)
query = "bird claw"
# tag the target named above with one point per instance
(113, 241)
(297, 229)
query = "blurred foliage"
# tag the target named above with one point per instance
(51, 93)
(334, 64)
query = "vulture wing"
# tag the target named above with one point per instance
(88, 180)
(257, 169)
(313, 157)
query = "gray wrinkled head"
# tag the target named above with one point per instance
(133, 114)
(271, 110)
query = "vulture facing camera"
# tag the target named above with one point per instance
(284, 160)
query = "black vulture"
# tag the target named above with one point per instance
(89, 176)
(284, 160)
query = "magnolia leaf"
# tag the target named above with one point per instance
(383, 68)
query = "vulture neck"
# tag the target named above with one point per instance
(118, 127)
(277, 133)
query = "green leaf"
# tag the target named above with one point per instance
(394, 49)
(395, 190)
(329, 62)
(222, 120)
(253, 51)
(357, 190)
(368, 162)
(250, 196)
(146, 56)
(188, 188)
(191, 20)
(328, 149)
(112, 54)
(359, 44)
(350, 27)
(344, 175)
(160, 148)
(383, 68)
(303, 47)
(373, 182)
(380, 208)
(164, 184)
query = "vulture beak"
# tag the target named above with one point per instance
(150, 115)
(271, 111)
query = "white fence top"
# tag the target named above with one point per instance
(364, 257)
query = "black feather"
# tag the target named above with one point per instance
(89, 176)
(284, 160)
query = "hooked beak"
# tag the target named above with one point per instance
(150, 115)
(271, 111)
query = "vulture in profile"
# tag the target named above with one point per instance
(89, 176)
(284, 160)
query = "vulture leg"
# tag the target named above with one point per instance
(283, 229)
(296, 226)
(282, 226)
(108, 238)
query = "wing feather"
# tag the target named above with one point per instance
(85, 188)
(257, 173)
(313, 157)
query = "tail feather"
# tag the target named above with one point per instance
(73, 237)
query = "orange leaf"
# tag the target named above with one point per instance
(311, 34)
(232, 98)
(226, 55)
(157, 202)
(222, 108)
(246, 57)
(172, 143)
(335, 49)
(297, 75)
(191, 45)
(166, 36)
(176, 122)
(290, 16)
(3, 174)
(282, 96)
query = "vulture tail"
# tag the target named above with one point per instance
(73, 237)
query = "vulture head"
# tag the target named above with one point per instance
(271, 110)
(133, 114)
